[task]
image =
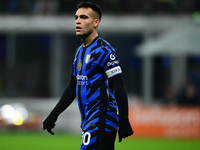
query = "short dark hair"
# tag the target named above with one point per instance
(95, 7)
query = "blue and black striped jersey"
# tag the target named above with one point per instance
(92, 66)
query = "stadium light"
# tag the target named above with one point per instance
(14, 113)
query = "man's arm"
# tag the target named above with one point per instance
(66, 99)
(117, 83)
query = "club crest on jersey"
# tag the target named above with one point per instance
(80, 65)
(87, 58)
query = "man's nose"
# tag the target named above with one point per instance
(77, 21)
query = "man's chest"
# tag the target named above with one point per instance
(87, 62)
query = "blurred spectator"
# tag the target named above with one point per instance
(67, 6)
(3, 6)
(109, 6)
(14, 6)
(2, 49)
(196, 4)
(44, 7)
(127, 6)
(194, 76)
(169, 96)
(188, 93)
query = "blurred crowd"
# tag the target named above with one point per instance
(189, 91)
(63, 7)
(34, 80)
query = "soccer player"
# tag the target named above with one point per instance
(97, 83)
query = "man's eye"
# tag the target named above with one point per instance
(84, 17)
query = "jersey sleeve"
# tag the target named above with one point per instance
(111, 65)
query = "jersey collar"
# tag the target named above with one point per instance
(91, 43)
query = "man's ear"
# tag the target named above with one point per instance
(96, 23)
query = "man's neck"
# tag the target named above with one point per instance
(87, 41)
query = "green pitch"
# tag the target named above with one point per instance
(45, 141)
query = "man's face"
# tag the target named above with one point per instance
(85, 22)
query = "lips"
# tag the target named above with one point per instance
(78, 28)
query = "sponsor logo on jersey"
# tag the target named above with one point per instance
(87, 58)
(80, 65)
(113, 62)
(112, 57)
(82, 79)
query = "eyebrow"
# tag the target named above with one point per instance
(81, 16)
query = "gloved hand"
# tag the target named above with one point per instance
(125, 129)
(49, 123)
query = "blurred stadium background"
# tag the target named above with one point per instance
(158, 43)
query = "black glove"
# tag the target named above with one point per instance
(125, 129)
(49, 123)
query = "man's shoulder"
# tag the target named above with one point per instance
(103, 42)
(77, 48)
(104, 45)
(76, 51)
